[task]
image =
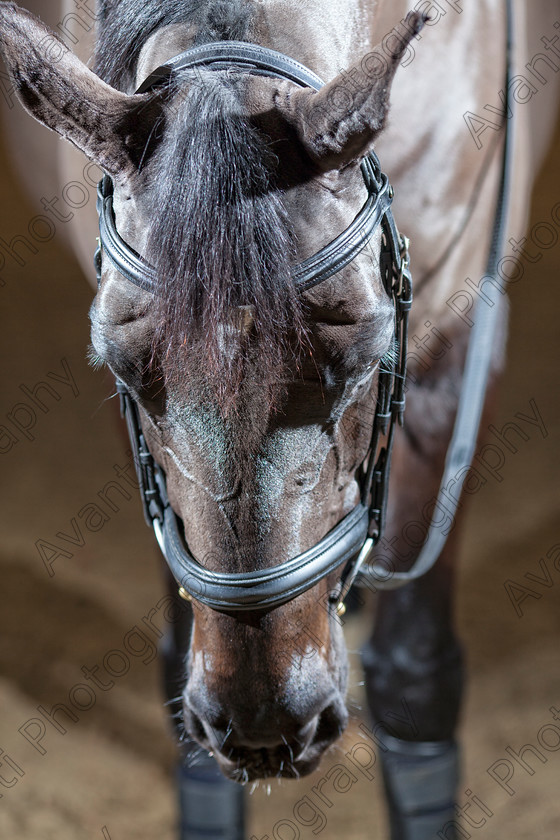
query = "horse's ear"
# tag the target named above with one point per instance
(339, 123)
(63, 94)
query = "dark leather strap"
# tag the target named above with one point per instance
(341, 251)
(477, 365)
(347, 543)
(234, 592)
(272, 587)
(223, 55)
(124, 258)
(255, 59)
(269, 587)
(324, 264)
(227, 592)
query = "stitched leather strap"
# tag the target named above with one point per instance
(347, 543)
(269, 587)
(124, 258)
(324, 264)
(477, 367)
(222, 55)
(227, 592)
(253, 59)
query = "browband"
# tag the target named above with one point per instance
(324, 264)
(257, 60)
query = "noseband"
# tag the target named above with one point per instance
(350, 542)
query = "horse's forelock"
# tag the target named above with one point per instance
(124, 26)
(220, 242)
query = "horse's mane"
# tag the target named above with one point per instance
(219, 237)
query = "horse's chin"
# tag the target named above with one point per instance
(264, 768)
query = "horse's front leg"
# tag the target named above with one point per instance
(414, 680)
(210, 806)
(413, 660)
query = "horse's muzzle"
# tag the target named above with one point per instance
(286, 747)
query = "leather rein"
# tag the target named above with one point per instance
(350, 542)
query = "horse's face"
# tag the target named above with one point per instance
(258, 470)
(264, 481)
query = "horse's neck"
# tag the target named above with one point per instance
(325, 35)
(458, 64)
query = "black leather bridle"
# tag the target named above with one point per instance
(349, 543)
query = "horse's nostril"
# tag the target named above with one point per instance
(331, 724)
(194, 725)
(304, 738)
(278, 741)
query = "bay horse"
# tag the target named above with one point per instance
(254, 398)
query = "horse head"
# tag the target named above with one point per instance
(255, 398)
